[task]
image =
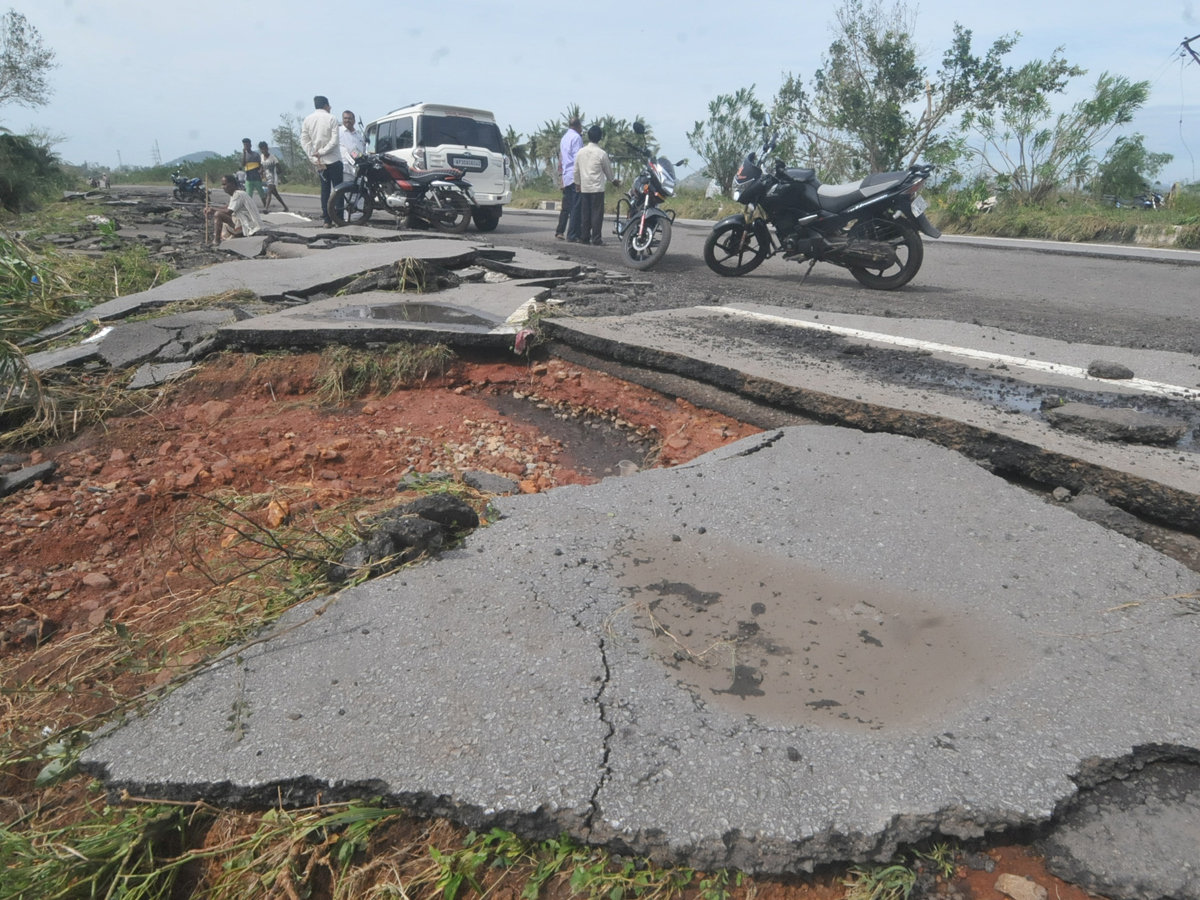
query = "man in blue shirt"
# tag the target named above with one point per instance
(568, 147)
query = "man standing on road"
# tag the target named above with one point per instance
(352, 144)
(252, 165)
(568, 147)
(319, 137)
(593, 172)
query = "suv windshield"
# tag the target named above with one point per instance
(460, 131)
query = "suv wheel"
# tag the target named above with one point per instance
(486, 217)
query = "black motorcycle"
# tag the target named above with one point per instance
(643, 227)
(437, 197)
(869, 226)
(188, 189)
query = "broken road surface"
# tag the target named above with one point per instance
(809, 646)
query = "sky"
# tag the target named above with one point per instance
(202, 76)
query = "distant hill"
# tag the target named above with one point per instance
(199, 156)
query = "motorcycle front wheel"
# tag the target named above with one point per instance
(644, 250)
(356, 205)
(734, 249)
(452, 214)
(905, 242)
(178, 196)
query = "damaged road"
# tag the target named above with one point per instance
(810, 646)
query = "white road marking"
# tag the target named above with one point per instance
(1037, 365)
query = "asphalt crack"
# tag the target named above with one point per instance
(605, 768)
(765, 443)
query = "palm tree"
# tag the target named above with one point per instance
(517, 153)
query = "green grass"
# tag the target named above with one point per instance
(154, 851)
(1074, 218)
(41, 287)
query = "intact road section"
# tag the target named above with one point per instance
(1124, 298)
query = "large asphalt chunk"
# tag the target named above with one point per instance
(1134, 838)
(809, 646)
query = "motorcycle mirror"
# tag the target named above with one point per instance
(766, 120)
(639, 128)
(682, 162)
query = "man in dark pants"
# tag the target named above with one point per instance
(319, 137)
(568, 219)
(593, 172)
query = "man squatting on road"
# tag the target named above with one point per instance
(240, 218)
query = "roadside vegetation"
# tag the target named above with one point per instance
(40, 287)
(1011, 157)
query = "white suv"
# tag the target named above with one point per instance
(430, 136)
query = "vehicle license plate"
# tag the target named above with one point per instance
(919, 206)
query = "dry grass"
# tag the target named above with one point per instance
(345, 373)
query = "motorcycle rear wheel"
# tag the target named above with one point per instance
(356, 204)
(453, 215)
(904, 240)
(645, 250)
(733, 249)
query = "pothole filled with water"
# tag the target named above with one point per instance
(431, 313)
(591, 445)
(788, 643)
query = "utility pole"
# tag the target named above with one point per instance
(1187, 46)
(120, 165)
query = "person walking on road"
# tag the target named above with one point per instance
(351, 142)
(568, 147)
(319, 138)
(593, 172)
(252, 165)
(270, 167)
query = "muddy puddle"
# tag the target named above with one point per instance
(790, 644)
(591, 445)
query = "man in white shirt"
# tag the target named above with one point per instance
(352, 143)
(319, 137)
(240, 218)
(593, 172)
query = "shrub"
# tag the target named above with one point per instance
(28, 174)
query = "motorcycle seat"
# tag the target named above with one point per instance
(837, 197)
(425, 176)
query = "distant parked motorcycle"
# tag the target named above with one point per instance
(188, 189)
(644, 227)
(440, 198)
(869, 227)
(1147, 200)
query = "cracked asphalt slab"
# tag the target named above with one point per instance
(925, 394)
(806, 647)
(272, 279)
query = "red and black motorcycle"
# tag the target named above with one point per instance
(439, 198)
